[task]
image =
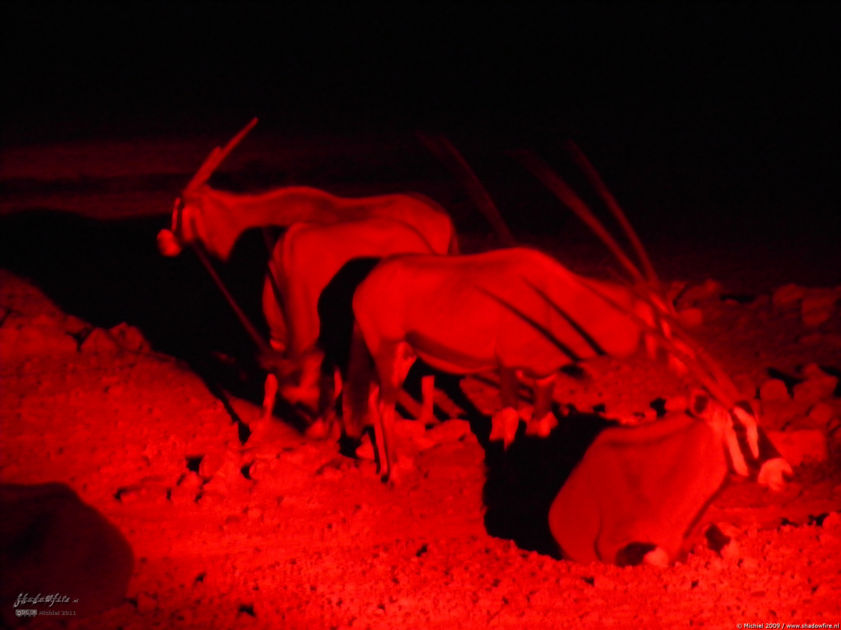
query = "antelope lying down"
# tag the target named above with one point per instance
(638, 491)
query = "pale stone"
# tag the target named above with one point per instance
(707, 290)
(798, 446)
(449, 430)
(821, 413)
(815, 389)
(787, 296)
(691, 317)
(773, 389)
(818, 306)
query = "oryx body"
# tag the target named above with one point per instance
(512, 310)
(455, 312)
(331, 230)
(217, 218)
(304, 261)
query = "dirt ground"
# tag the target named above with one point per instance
(118, 379)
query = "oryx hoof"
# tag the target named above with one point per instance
(365, 450)
(397, 470)
(657, 558)
(543, 427)
(504, 425)
(320, 429)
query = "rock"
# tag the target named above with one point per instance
(100, 342)
(129, 337)
(691, 317)
(187, 490)
(798, 446)
(818, 306)
(832, 340)
(677, 403)
(815, 388)
(52, 542)
(731, 552)
(788, 296)
(211, 462)
(708, 290)
(832, 521)
(813, 370)
(146, 602)
(774, 389)
(761, 302)
(24, 336)
(409, 429)
(449, 431)
(821, 414)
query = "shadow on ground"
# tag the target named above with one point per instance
(523, 480)
(108, 272)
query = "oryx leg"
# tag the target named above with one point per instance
(543, 420)
(427, 415)
(355, 407)
(330, 386)
(305, 388)
(269, 396)
(506, 421)
(392, 361)
(271, 362)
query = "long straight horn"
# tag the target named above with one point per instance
(562, 191)
(216, 156)
(596, 181)
(683, 348)
(441, 147)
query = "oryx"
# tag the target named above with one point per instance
(511, 310)
(303, 262)
(326, 232)
(637, 491)
(216, 219)
(516, 310)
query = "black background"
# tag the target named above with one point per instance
(707, 104)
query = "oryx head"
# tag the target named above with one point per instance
(299, 379)
(652, 310)
(186, 219)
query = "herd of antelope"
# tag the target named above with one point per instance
(514, 311)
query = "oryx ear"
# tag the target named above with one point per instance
(168, 244)
(699, 401)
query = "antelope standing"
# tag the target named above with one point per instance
(215, 219)
(304, 261)
(516, 310)
(327, 231)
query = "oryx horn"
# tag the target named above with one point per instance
(610, 201)
(568, 197)
(216, 156)
(441, 147)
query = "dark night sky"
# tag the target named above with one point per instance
(642, 64)
(742, 96)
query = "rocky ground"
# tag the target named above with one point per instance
(288, 533)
